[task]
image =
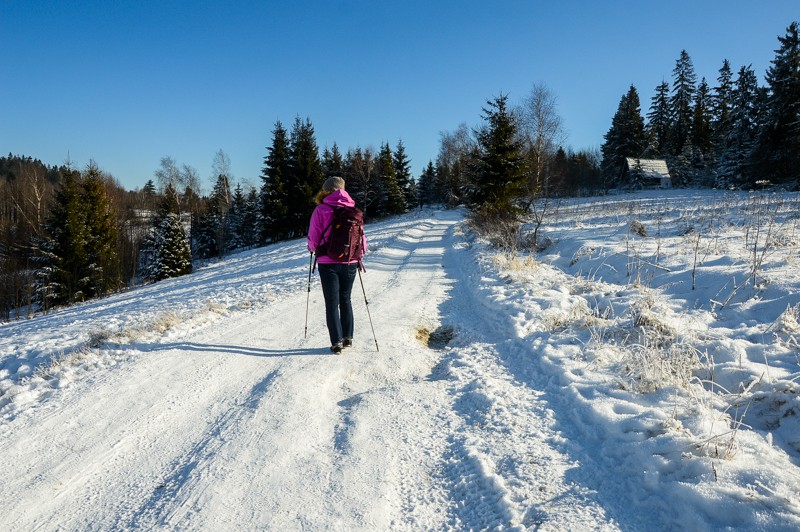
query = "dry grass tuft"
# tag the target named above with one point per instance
(436, 339)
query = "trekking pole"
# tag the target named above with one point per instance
(310, 261)
(368, 314)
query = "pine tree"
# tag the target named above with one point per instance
(778, 152)
(427, 186)
(379, 186)
(402, 170)
(702, 138)
(102, 231)
(735, 164)
(275, 177)
(249, 229)
(81, 255)
(306, 176)
(701, 123)
(172, 257)
(683, 91)
(722, 101)
(65, 251)
(659, 123)
(236, 215)
(584, 169)
(332, 162)
(395, 199)
(219, 205)
(625, 138)
(500, 177)
(167, 253)
(149, 188)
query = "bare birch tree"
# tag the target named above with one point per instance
(542, 130)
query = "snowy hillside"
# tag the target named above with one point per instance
(588, 387)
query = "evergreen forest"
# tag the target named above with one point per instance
(67, 234)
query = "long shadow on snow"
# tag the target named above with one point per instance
(237, 349)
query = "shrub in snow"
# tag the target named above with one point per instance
(638, 228)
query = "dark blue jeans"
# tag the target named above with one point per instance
(337, 284)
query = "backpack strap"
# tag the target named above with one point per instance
(322, 246)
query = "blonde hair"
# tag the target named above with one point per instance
(331, 185)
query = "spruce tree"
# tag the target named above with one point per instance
(625, 137)
(306, 176)
(236, 215)
(149, 188)
(275, 176)
(65, 252)
(378, 185)
(402, 170)
(446, 177)
(219, 205)
(102, 235)
(172, 257)
(702, 140)
(395, 202)
(659, 122)
(778, 152)
(722, 101)
(213, 233)
(559, 173)
(81, 255)
(250, 219)
(735, 161)
(681, 103)
(332, 162)
(427, 186)
(701, 123)
(499, 179)
(584, 169)
(167, 249)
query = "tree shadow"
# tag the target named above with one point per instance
(239, 349)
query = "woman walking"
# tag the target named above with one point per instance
(337, 271)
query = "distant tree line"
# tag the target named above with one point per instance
(509, 161)
(734, 134)
(68, 235)
(379, 181)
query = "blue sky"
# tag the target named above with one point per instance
(127, 83)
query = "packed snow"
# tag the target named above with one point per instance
(638, 372)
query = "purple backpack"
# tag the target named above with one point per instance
(346, 235)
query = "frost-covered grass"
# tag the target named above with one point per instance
(685, 305)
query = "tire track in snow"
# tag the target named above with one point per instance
(224, 429)
(110, 445)
(188, 470)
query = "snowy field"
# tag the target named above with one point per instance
(639, 373)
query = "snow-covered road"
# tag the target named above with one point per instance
(205, 407)
(246, 424)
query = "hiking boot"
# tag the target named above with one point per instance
(336, 348)
(347, 342)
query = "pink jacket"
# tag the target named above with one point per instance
(321, 219)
